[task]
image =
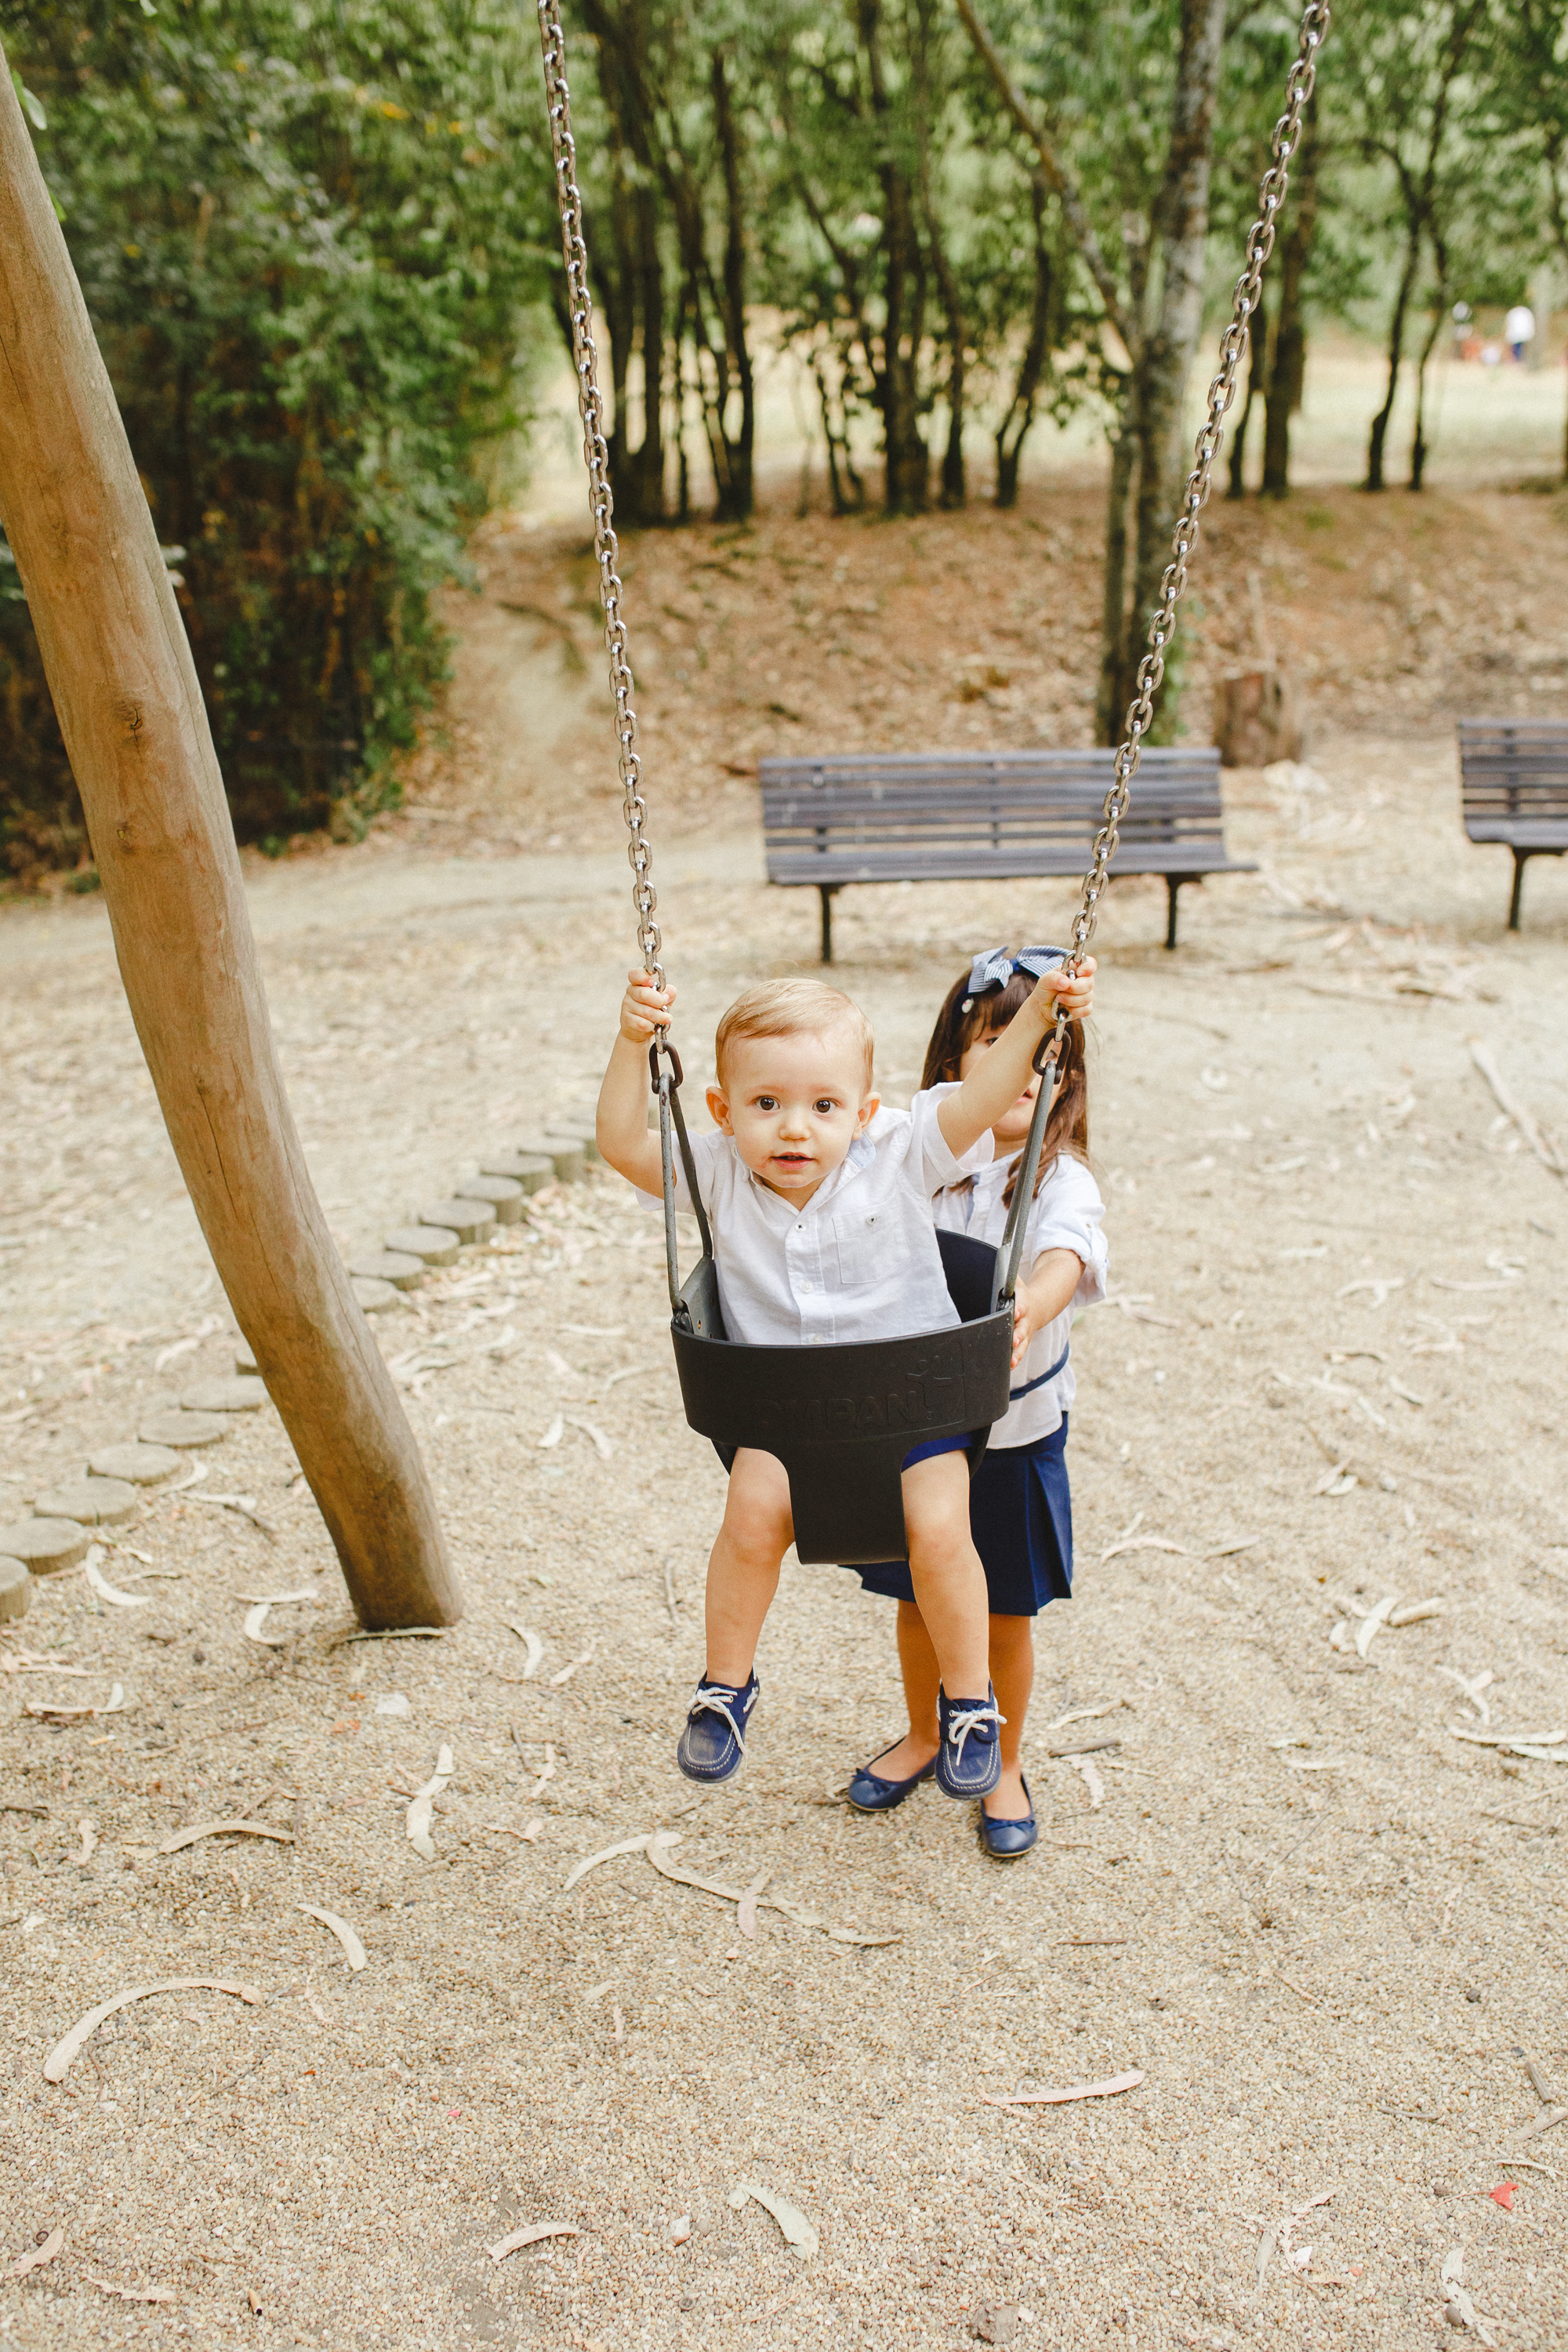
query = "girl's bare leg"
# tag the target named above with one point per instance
(1012, 1671)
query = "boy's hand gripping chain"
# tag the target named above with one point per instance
(1222, 392)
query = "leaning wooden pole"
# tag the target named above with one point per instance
(131, 709)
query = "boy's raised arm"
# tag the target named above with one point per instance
(621, 1126)
(1000, 1075)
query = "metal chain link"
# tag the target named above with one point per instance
(1222, 392)
(602, 505)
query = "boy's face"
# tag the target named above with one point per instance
(794, 1105)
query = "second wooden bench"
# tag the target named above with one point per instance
(968, 816)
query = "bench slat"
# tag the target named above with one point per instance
(972, 866)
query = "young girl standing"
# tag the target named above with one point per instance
(1020, 1506)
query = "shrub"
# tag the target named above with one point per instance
(312, 241)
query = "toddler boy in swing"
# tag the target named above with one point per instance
(820, 1204)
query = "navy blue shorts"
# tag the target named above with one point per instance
(916, 1454)
(1020, 1515)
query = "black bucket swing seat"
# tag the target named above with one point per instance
(842, 1418)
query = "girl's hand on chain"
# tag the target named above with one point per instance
(644, 1010)
(1074, 990)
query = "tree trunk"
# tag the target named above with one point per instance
(908, 462)
(1287, 374)
(1013, 428)
(1257, 370)
(1160, 372)
(743, 491)
(650, 338)
(1418, 446)
(130, 707)
(1109, 701)
(1379, 436)
(954, 485)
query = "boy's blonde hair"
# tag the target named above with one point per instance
(792, 1008)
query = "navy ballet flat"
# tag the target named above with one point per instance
(1010, 1841)
(869, 1793)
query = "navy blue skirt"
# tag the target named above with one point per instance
(1020, 1515)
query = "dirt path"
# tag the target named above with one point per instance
(1327, 1930)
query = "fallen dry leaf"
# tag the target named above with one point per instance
(45, 1713)
(530, 2236)
(534, 1648)
(606, 1854)
(568, 1669)
(58, 2064)
(746, 1915)
(134, 2293)
(798, 2232)
(37, 2256)
(1109, 2089)
(111, 1592)
(421, 1808)
(341, 1929)
(226, 1829)
(1090, 1778)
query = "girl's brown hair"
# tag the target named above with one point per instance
(964, 1018)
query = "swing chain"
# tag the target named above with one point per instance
(1222, 392)
(597, 454)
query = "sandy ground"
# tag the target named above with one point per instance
(1326, 1930)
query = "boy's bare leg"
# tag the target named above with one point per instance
(743, 1566)
(945, 1570)
(1012, 1671)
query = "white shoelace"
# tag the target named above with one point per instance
(707, 1702)
(966, 1720)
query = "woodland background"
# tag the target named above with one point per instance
(318, 242)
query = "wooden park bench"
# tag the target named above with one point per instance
(1514, 773)
(971, 817)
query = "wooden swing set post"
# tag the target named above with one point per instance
(135, 727)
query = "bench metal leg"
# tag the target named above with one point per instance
(828, 895)
(1173, 884)
(1520, 859)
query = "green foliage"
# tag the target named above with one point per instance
(310, 237)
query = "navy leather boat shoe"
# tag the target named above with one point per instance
(869, 1793)
(969, 1761)
(713, 1744)
(1010, 1841)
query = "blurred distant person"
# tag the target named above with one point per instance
(1464, 329)
(1519, 331)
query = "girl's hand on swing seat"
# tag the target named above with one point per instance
(1027, 1322)
(644, 1010)
(1047, 1293)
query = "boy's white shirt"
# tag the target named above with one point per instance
(1065, 1214)
(859, 1261)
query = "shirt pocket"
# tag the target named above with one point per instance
(870, 1247)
